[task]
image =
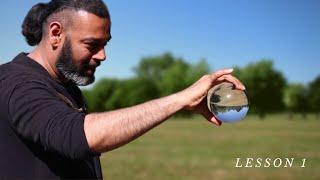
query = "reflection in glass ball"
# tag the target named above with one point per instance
(227, 103)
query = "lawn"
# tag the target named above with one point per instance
(195, 149)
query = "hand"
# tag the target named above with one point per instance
(194, 96)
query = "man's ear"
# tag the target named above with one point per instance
(55, 34)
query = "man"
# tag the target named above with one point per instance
(45, 131)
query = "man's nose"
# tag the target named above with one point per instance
(100, 55)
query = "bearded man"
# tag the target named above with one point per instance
(45, 130)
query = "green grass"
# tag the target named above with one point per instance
(196, 149)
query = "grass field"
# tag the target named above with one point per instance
(195, 149)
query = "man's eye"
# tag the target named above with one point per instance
(94, 47)
(91, 47)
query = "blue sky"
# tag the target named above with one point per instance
(224, 32)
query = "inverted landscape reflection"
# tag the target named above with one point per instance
(229, 113)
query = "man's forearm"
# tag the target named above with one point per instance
(109, 130)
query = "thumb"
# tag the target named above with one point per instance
(204, 111)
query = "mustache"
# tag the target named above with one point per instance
(91, 66)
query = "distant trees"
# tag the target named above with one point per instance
(314, 95)
(264, 86)
(98, 98)
(130, 92)
(154, 67)
(157, 76)
(170, 74)
(300, 98)
(296, 99)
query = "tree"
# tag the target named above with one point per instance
(100, 93)
(196, 71)
(264, 86)
(170, 74)
(174, 78)
(314, 95)
(132, 91)
(153, 67)
(295, 99)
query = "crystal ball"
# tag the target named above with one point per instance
(227, 103)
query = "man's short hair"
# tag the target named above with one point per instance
(33, 24)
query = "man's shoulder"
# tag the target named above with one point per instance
(22, 80)
(15, 76)
(14, 73)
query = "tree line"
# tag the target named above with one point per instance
(157, 76)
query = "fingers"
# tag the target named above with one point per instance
(224, 75)
(220, 73)
(205, 112)
(233, 80)
(210, 117)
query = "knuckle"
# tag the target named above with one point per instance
(214, 76)
(206, 77)
(218, 74)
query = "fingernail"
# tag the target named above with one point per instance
(230, 70)
(219, 122)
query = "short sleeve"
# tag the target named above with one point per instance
(39, 116)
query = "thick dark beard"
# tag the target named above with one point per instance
(69, 70)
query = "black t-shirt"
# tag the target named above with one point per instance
(41, 133)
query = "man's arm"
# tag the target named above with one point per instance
(109, 130)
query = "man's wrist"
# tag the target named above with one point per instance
(180, 100)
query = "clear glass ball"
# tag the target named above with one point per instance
(227, 103)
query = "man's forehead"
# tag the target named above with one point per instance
(90, 24)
